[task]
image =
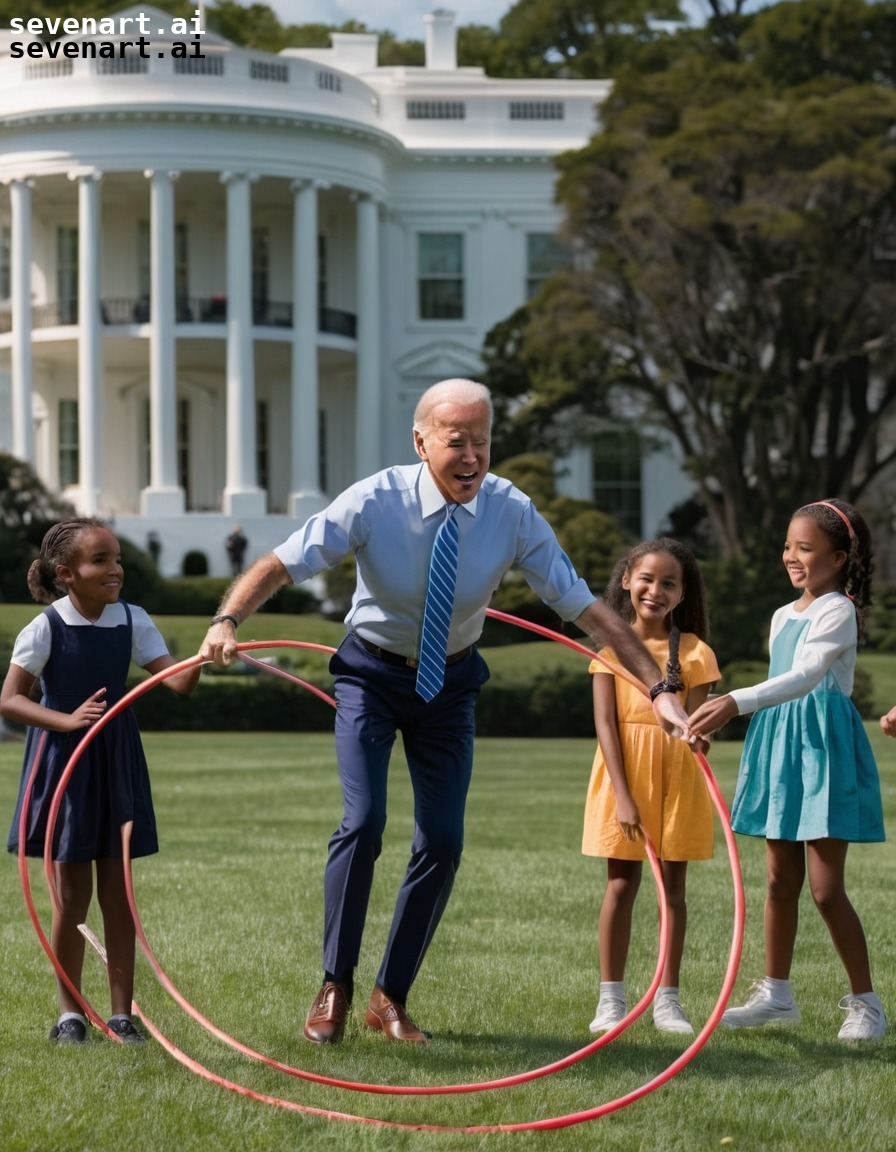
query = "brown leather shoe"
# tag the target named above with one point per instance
(390, 1018)
(325, 1023)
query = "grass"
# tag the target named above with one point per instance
(233, 907)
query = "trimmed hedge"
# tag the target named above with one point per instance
(558, 706)
(555, 705)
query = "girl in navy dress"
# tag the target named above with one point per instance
(808, 782)
(80, 648)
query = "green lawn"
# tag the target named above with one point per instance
(232, 906)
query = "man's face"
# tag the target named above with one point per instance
(456, 449)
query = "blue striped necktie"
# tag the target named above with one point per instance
(437, 608)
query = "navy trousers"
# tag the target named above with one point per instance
(374, 701)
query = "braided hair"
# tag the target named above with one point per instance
(848, 532)
(691, 615)
(58, 547)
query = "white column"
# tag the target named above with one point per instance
(20, 256)
(242, 496)
(164, 496)
(305, 494)
(90, 348)
(367, 375)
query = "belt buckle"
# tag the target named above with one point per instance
(411, 662)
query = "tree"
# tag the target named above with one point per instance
(592, 540)
(584, 39)
(27, 510)
(735, 222)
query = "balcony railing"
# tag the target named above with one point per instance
(119, 310)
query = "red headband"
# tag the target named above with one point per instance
(833, 507)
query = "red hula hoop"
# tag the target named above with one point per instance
(553, 1122)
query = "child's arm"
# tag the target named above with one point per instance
(831, 634)
(606, 725)
(16, 704)
(697, 696)
(181, 682)
(888, 723)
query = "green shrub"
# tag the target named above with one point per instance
(194, 563)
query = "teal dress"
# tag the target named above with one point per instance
(807, 771)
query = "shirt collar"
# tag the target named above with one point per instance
(432, 500)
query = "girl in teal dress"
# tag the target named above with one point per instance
(808, 782)
(80, 648)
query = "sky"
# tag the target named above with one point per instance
(405, 17)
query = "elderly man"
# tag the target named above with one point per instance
(409, 663)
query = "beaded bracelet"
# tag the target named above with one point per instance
(659, 688)
(220, 620)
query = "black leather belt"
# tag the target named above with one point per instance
(405, 661)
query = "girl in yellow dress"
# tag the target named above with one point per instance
(643, 778)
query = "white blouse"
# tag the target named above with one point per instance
(828, 644)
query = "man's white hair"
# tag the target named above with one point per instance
(457, 391)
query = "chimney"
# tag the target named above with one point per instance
(441, 40)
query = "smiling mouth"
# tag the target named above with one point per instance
(465, 477)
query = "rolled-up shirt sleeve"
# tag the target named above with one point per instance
(323, 540)
(548, 570)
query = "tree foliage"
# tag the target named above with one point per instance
(734, 222)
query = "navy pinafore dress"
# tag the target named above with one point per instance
(110, 782)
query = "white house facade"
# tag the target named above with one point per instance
(226, 276)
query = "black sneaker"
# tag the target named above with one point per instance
(123, 1026)
(70, 1031)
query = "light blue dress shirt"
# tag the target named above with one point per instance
(389, 521)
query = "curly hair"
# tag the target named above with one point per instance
(58, 547)
(848, 532)
(691, 615)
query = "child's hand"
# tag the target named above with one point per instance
(89, 712)
(888, 723)
(712, 716)
(628, 818)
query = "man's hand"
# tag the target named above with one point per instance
(219, 644)
(670, 715)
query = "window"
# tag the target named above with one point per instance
(128, 65)
(329, 81)
(144, 265)
(69, 462)
(537, 110)
(436, 110)
(440, 275)
(321, 271)
(181, 264)
(261, 263)
(5, 274)
(616, 471)
(199, 65)
(262, 443)
(544, 255)
(262, 70)
(183, 449)
(67, 274)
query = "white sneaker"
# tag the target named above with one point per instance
(668, 1014)
(610, 1010)
(761, 1008)
(865, 1019)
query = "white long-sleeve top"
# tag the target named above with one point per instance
(827, 646)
